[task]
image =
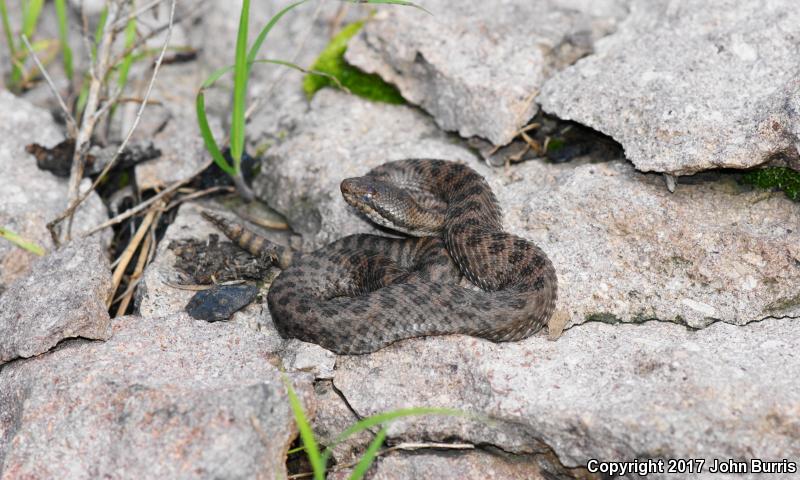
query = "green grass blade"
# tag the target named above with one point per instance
(63, 35)
(30, 16)
(125, 66)
(21, 242)
(380, 418)
(306, 435)
(369, 456)
(16, 73)
(240, 73)
(98, 32)
(208, 136)
(265, 31)
(392, 2)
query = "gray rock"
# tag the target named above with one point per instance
(163, 398)
(63, 296)
(624, 248)
(601, 391)
(478, 68)
(343, 136)
(450, 465)
(334, 417)
(220, 302)
(691, 85)
(29, 197)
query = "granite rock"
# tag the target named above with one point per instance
(472, 464)
(656, 390)
(691, 85)
(63, 296)
(29, 197)
(163, 398)
(477, 69)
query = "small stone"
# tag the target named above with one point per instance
(63, 296)
(220, 302)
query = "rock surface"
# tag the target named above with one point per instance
(163, 398)
(48, 305)
(691, 85)
(29, 197)
(467, 66)
(624, 248)
(462, 465)
(601, 391)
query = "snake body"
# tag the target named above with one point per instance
(363, 292)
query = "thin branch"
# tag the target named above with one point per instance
(142, 206)
(127, 254)
(88, 120)
(200, 193)
(72, 127)
(122, 22)
(73, 207)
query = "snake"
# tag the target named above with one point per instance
(454, 270)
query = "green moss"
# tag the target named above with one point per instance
(782, 178)
(555, 144)
(331, 61)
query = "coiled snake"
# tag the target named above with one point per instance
(363, 292)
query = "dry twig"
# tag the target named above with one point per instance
(72, 127)
(75, 201)
(127, 254)
(142, 206)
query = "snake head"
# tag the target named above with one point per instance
(386, 205)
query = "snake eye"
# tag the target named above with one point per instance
(369, 192)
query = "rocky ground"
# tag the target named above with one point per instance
(679, 284)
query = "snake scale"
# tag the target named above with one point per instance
(363, 292)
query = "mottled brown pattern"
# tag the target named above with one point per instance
(363, 292)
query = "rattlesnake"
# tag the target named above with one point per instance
(363, 292)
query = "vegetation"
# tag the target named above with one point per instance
(319, 461)
(245, 59)
(331, 61)
(21, 242)
(782, 178)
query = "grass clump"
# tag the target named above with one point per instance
(782, 178)
(319, 459)
(331, 61)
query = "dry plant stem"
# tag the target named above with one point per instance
(401, 446)
(127, 254)
(72, 127)
(137, 274)
(142, 206)
(200, 193)
(122, 22)
(90, 117)
(70, 211)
